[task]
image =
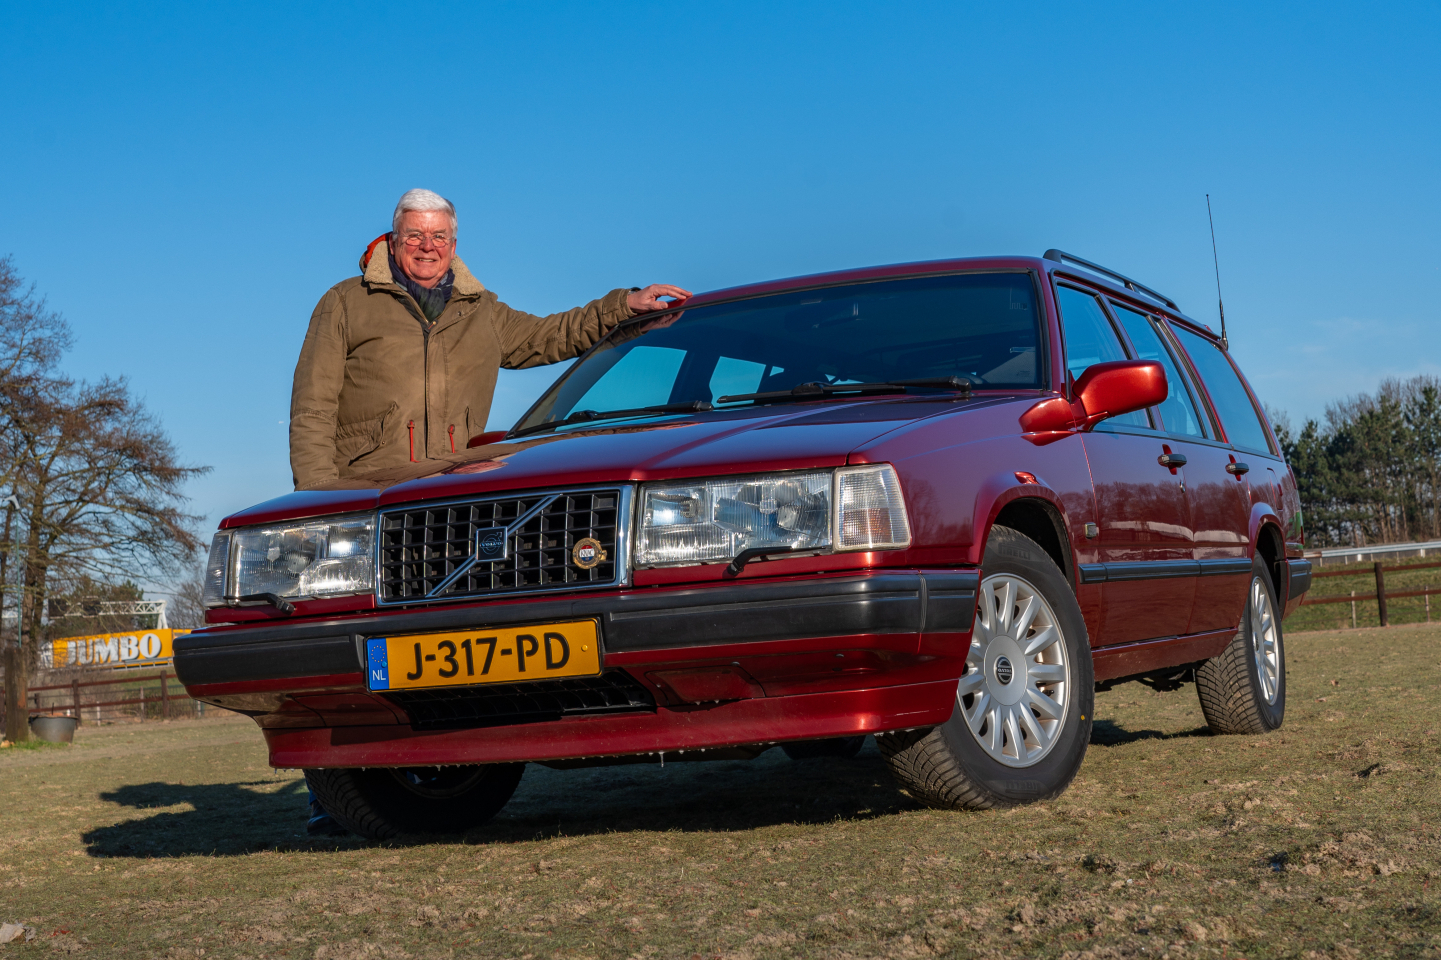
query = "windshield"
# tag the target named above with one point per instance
(982, 327)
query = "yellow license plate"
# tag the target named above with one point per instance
(488, 655)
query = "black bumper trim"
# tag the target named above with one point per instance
(265, 659)
(1163, 569)
(1298, 578)
(879, 603)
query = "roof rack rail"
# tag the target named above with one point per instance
(1127, 282)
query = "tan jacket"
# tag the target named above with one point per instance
(374, 391)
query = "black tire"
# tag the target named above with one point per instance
(1231, 687)
(381, 803)
(841, 748)
(947, 766)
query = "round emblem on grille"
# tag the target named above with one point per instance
(587, 553)
(491, 544)
(1004, 671)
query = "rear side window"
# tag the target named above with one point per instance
(1228, 394)
(1091, 339)
(1178, 410)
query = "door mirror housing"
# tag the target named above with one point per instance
(1104, 390)
(1120, 386)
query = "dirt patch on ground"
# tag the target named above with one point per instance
(176, 840)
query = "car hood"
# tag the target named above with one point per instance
(812, 434)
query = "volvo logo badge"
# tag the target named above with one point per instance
(1004, 671)
(588, 553)
(490, 545)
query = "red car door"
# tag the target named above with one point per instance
(1248, 457)
(1217, 501)
(1147, 568)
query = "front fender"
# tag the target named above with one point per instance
(1002, 488)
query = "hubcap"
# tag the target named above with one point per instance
(1017, 684)
(1265, 642)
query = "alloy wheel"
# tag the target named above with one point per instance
(1017, 683)
(1265, 641)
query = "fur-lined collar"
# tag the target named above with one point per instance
(378, 271)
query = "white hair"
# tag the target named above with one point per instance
(422, 201)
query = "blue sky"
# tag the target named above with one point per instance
(184, 182)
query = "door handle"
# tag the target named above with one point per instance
(1238, 468)
(1172, 460)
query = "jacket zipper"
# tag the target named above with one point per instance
(425, 327)
(425, 384)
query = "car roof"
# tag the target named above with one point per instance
(922, 268)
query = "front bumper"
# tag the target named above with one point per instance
(724, 665)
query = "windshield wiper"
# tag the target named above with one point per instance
(586, 416)
(806, 391)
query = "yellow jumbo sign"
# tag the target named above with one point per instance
(141, 648)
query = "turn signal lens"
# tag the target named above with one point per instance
(215, 570)
(872, 512)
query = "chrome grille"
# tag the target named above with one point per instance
(438, 551)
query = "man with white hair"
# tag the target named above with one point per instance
(399, 364)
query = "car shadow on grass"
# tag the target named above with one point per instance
(226, 819)
(233, 819)
(1109, 733)
(710, 796)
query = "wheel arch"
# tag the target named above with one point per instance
(1268, 541)
(1042, 521)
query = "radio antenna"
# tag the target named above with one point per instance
(1220, 304)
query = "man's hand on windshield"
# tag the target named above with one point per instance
(649, 299)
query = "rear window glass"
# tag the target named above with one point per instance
(1228, 395)
(1178, 410)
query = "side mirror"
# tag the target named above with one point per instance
(491, 436)
(1111, 389)
(1104, 390)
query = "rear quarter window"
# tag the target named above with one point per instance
(1228, 394)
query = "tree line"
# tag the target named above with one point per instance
(1371, 471)
(90, 485)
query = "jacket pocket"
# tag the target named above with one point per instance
(358, 439)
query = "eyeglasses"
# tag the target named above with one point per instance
(415, 239)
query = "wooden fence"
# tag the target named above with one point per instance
(1378, 571)
(136, 696)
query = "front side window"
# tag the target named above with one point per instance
(1178, 410)
(1228, 394)
(982, 327)
(1090, 339)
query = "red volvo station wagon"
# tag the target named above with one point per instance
(939, 503)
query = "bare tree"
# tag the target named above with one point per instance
(97, 487)
(187, 603)
(32, 339)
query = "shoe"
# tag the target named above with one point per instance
(322, 824)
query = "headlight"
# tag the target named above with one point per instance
(714, 520)
(320, 558)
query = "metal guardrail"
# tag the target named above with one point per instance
(1358, 554)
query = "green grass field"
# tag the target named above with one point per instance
(176, 840)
